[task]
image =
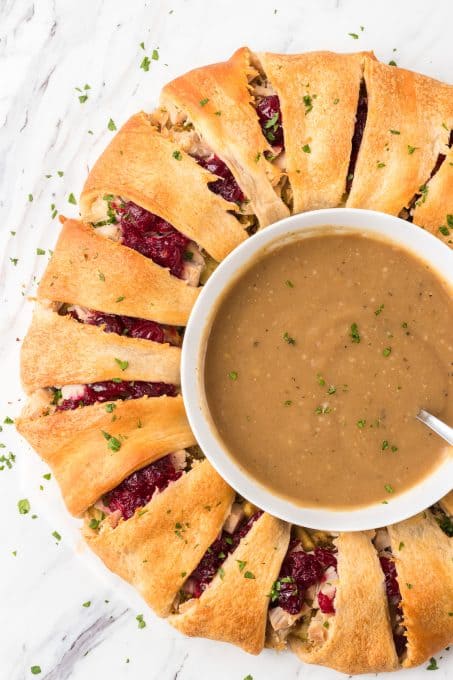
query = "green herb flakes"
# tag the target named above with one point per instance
(141, 621)
(23, 506)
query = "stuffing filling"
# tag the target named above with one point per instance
(70, 397)
(124, 325)
(135, 492)
(443, 519)
(302, 599)
(236, 526)
(407, 213)
(382, 545)
(267, 106)
(150, 235)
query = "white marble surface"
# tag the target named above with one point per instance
(48, 48)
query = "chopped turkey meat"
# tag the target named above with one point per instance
(233, 519)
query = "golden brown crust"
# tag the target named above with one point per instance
(90, 270)
(233, 608)
(390, 166)
(331, 83)
(73, 444)
(432, 208)
(360, 636)
(229, 125)
(81, 353)
(424, 564)
(156, 550)
(139, 166)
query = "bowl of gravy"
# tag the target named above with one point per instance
(307, 356)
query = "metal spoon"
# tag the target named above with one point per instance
(438, 426)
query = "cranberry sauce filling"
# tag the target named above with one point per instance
(151, 236)
(394, 599)
(270, 118)
(360, 122)
(215, 556)
(109, 390)
(298, 572)
(137, 489)
(227, 187)
(127, 325)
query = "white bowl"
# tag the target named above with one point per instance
(406, 504)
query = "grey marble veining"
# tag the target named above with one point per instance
(47, 49)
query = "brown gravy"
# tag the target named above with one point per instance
(320, 355)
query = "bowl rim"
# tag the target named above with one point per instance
(405, 234)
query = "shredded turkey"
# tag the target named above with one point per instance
(178, 459)
(233, 519)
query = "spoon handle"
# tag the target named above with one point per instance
(438, 426)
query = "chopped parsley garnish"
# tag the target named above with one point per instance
(432, 666)
(248, 574)
(56, 535)
(320, 380)
(336, 100)
(122, 364)
(110, 407)
(394, 132)
(288, 402)
(101, 275)
(120, 298)
(401, 545)
(8, 421)
(386, 352)
(24, 506)
(423, 189)
(322, 410)
(389, 488)
(111, 125)
(257, 157)
(145, 63)
(94, 523)
(155, 55)
(411, 149)
(288, 339)
(188, 255)
(241, 564)
(72, 199)
(177, 155)
(354, 333)
(306, 148)
(40, 251)
(35, 670)
(361, 424)
(272, 121)
(308, 101)
(221, 572)
(379, 310)
(141, 621)
(86, 604)
(384, 445)
(392, 62)
(233, 375)
(113, 443)
(380, 164)
(354, 36)
(289, 283)
(30, 198)
(204, 101)
(47, 476)
(331, 389)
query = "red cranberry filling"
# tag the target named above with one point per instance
(360, 122)
(227, 187)
(127, 325)
(299, 571)
(394, 598)
(137, 489)
(270, 118)
(109, 390)
(151, 236)
(214, 557)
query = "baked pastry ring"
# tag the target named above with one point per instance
(385, 144)
(318, 111)
(359, 637)
(90, 270)
(140, 165)
(87, 354)
(233, 608)
(408, 123)
(75, 446)
(230, 126)
(149, 550)
(424, 563)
